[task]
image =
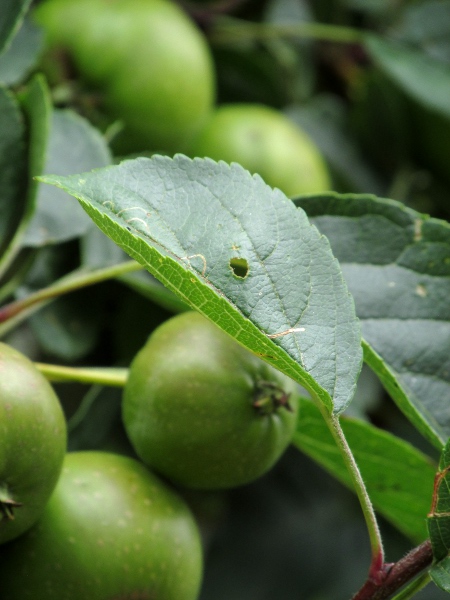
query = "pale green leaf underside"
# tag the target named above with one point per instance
(398, 477)
(187, 220)
(397, 266)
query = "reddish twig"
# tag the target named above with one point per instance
(395, 575)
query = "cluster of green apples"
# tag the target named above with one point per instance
(77, 525)
(154, 70)
(199, 409)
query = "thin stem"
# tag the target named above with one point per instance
(228, 30)
(414, 587)
(14, 313)
(377, 566)
(112, 376)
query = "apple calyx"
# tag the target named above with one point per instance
(269, 398)
(7, 506)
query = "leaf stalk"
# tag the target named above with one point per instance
(111, 376)
(228, 30)
(377, 566)
(17, 311)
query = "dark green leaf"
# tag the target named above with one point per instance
(397, 265)
(12, 13)
(440, 574)
(68, 328)
(323, 120)
(97, 423)
(439, 523)
(74, 146)
(370, 6)
(427, 24)
(398, 477)
(187, 220)
(13, 163)
(21, 55)
(37, 106)
(149, 287)
(419, 75)
(98, 251)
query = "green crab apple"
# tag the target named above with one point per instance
(148, 59)
(111, 531)
(32, 442)
(264, 141)
(204, 411)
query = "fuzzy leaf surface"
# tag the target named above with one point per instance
(240, 253)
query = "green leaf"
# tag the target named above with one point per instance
(13, 165)
(323, 119)
(98, 251)
(69, 327)
(426, 24)
(188, 221)
(22, 55)
(397, 265)
(440, 574)
(439, 523)
(12, 14)
(36, 106)
(398, 477)
(73, 146)
(419, 75)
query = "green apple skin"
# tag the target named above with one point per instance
(264, 141)
(149, 59)
(33, 441)
(189, 412)
(111, 531)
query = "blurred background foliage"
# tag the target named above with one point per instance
(369, 82)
